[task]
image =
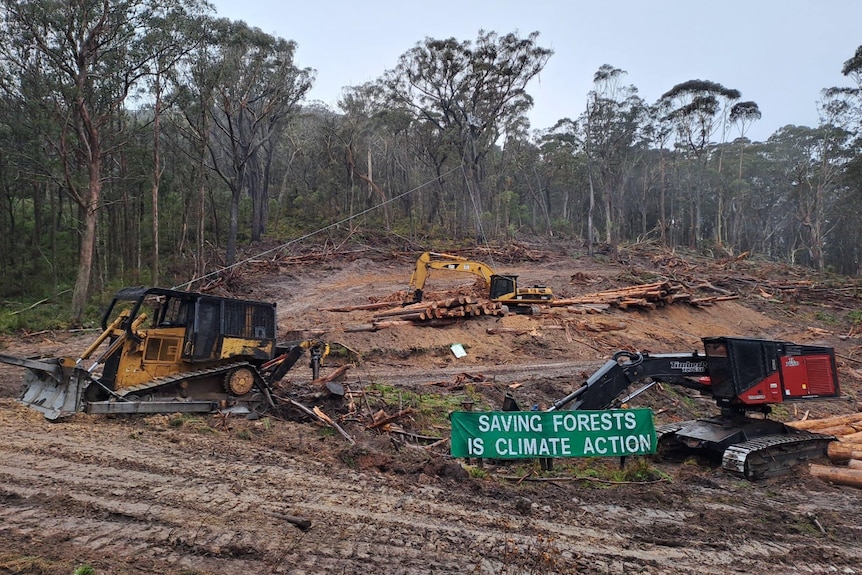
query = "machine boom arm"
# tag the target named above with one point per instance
(603, 387)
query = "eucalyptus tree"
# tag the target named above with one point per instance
(699, 109)
(470, 94)
(257, 86)
(172, 33)
(742, 116)
(842, 107)
(811, 161)
(658, 132)
(613, 121)
(376, 139)
(853, 69)
(88, 57)
(561, 172)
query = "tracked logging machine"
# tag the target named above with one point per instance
(502, 288)
(745, 377)
(169, 351)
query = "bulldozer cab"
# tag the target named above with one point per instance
(190, 327)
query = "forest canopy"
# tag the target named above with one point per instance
(145, 141)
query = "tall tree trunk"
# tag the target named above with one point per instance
(157, 175)
(88, 239)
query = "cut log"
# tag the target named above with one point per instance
(855, 437)
(839, 452)
(811, 424)
(836, 430)
(839, 475)
(360, 307)
(854, 464)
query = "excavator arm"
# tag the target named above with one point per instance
(438, 261)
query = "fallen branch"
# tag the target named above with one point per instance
(299, 522)
(326, 419)
(390, 418)
(319, 415)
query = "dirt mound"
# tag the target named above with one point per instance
(217, 494)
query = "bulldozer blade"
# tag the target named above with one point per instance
(53, 397)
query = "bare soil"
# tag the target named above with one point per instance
(213, 495)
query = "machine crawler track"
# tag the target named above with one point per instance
(150, 397)
(773, 455)
(168, 380)
(758, 458)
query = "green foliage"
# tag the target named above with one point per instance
(84, 570)
(414, 133)
(477, 472)
(432, 409)
(826, 317)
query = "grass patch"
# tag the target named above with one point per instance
(431, 409)
(606, 471)
(31, 565)
(191, 422)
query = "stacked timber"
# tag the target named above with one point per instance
(845, 454)
(646, 296)
(453, 307)
(432, 313)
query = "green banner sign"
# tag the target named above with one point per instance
(530, 434)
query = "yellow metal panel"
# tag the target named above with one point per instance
(238, 346)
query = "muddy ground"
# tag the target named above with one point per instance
(213, 495)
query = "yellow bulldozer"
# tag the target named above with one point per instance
(167, 351)
(502, 288)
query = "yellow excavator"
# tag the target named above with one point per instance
(166, 351)
(502, 288)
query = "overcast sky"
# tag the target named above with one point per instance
(779, 53)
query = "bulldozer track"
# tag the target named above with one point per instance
(187, 375)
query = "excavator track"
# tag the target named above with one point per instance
(772, 455)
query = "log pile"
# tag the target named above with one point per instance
(646, 296)
(845, 454)
(437, 312)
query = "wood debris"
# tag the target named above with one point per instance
(645, 296)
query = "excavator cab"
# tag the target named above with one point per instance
(503, 285)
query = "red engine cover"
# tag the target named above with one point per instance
(807, 376)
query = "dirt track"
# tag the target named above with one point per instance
(148, 495)
(142, 497)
